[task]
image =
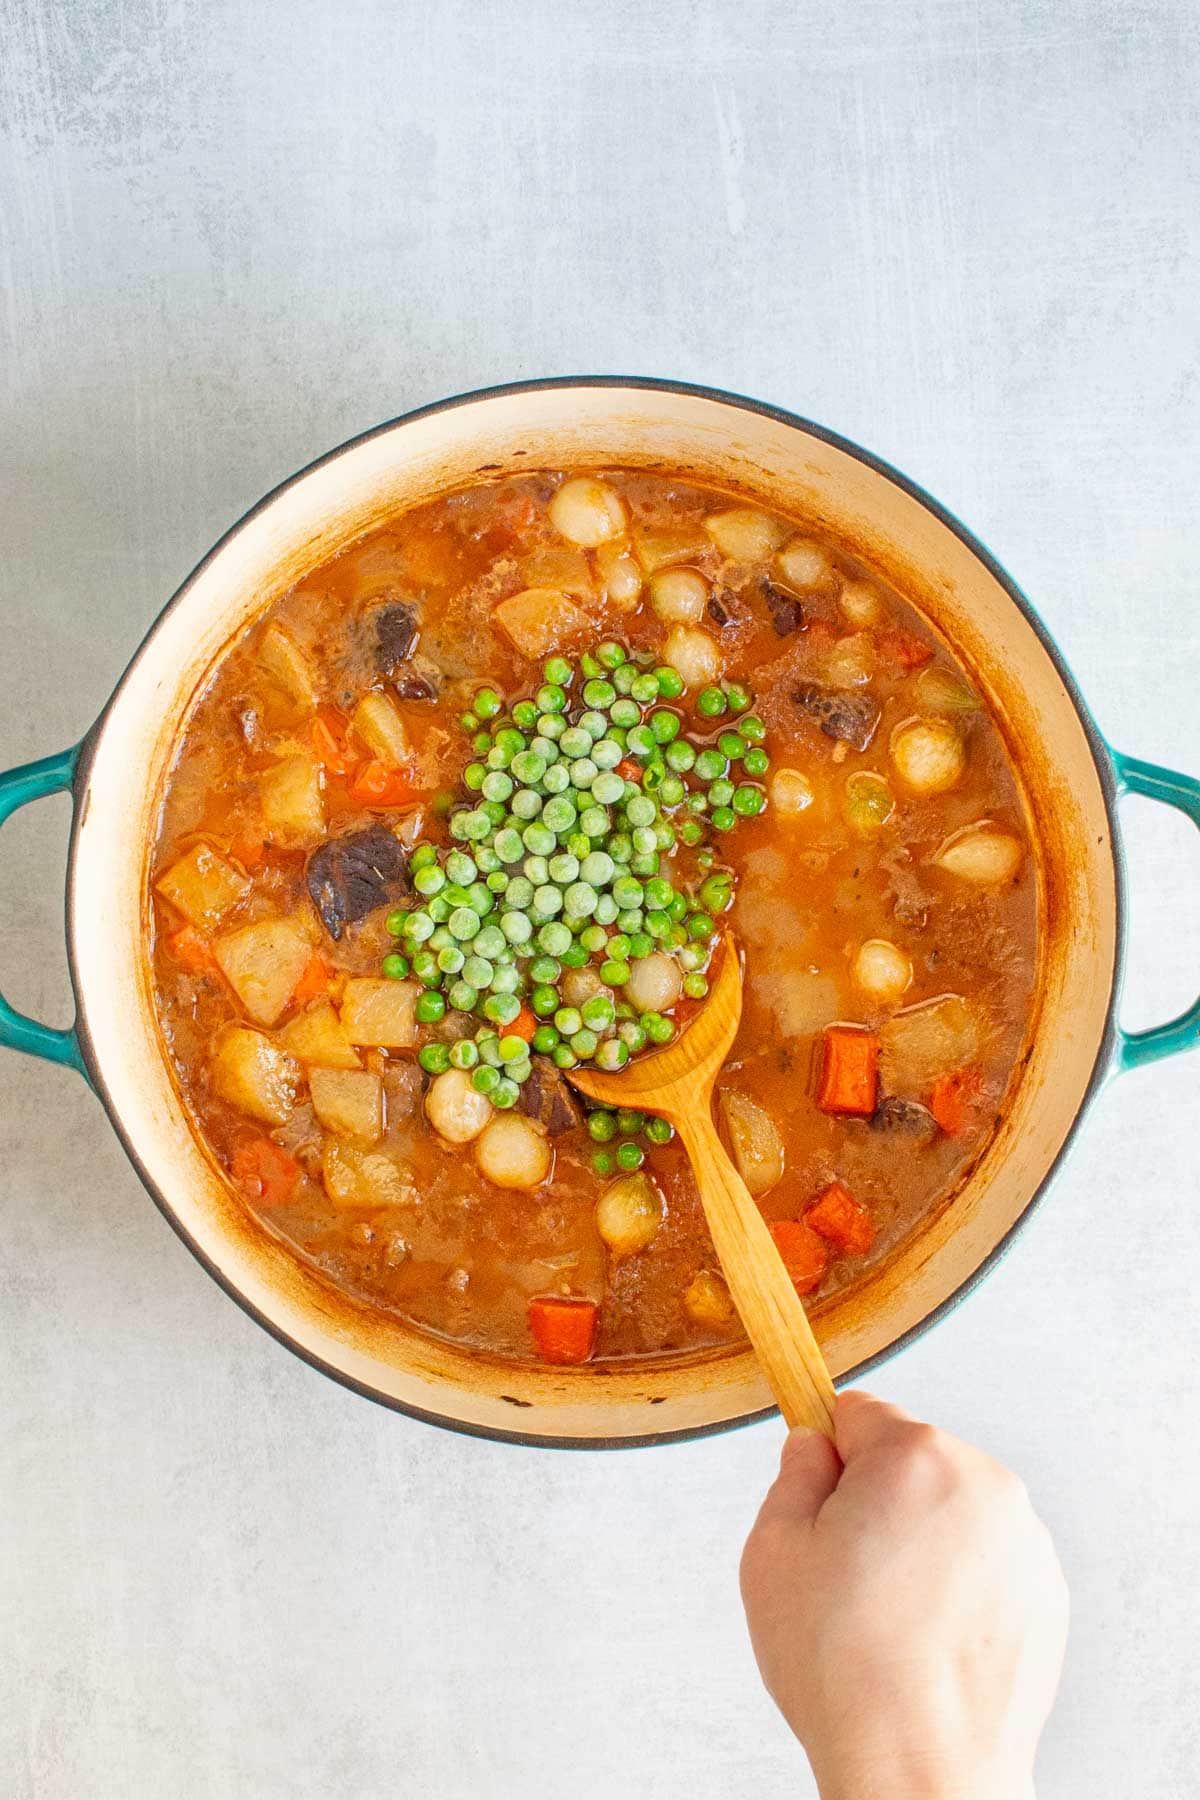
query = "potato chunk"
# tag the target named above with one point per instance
(255, 1075)
(694, 654)
(512, 1151)
(707, 1300)
(202, 885)
(378, 723)
(924, 1042)
(318, 1036)
(672, 544)
(287, 666)
(262, 964)
(629, 1214)
(292, 803)
(538, 621)
(359, 1178)
(348, 1102)
(380, 1012)
(754, 1135)
(860, 604)
(744, 534)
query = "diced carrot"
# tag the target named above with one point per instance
(849, 1071)
(804, 1254)
(329, 740)
(190, 948)
(249, 851)
(374, 784)
(523, 1026)
(563, 1327)
(952, 1099)
(266, 1173)
(904, 648)
(630, 770)
(838, 1217)
(314, 981)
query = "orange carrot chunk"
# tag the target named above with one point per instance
(804, 1254)
(190, 948)
(841, 1221)
(266, 1173)
(849, 1071)
(374, 784)
(523, 1026)
(563, 1327)
(314, 981)
(903, 648)
(952, 1099)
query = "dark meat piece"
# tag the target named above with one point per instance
(852, 717)
(413, 686)
(787, 614)
(350, 876)
(547, 1098)
(721, 608)
(915, 1121)
(395, 635)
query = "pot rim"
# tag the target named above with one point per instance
(1101, 757)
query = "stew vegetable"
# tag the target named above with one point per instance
(473, 804)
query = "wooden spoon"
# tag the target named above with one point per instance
(677, 1084)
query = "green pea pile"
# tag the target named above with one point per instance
(575, 802)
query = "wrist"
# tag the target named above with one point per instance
(892, 1775)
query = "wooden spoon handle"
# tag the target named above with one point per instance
(771, 1310)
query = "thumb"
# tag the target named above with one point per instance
(809, 1468)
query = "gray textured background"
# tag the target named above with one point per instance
(230, 236)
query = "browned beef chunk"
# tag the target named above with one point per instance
(907, 1118)
(722, 609)
(852, 717)
(395, 635)
(350, 876)
(547, 1097)
(787, 614)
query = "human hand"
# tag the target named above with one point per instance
(907, 1611)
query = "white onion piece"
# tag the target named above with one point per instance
(851, 661)
(791, 793)
(694, 654)
(678, 596)
(981, 855)
(620, 574)
(744, 534)
(881, 971)
(655, 982)
(860, 604)
(628, 1214)
(929, 755)
(512, 1151)
(754, 1135)
(805, 565)
(456, 1110)
(587, 512)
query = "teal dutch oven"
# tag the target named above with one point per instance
(1072, 782)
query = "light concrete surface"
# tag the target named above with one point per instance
(966, 234)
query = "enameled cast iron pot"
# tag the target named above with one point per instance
(1071, 781)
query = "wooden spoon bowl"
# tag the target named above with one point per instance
(677, 1084)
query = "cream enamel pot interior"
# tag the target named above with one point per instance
(1070, 777)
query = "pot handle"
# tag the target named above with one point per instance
(1182, 791)
(17, 787)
